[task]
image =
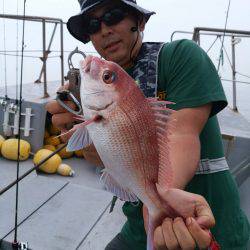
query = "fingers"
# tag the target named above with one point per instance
(204, 214)
(62, 119)
(202, 237)
(183, 236)
(169, 235)
(159, 241)
(173, 235)
(65, 86)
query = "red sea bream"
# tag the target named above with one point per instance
(130, 133)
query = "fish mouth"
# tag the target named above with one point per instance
(98, 108)
(92, 93)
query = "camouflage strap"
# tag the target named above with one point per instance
(145, 70)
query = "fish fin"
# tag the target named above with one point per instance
(164, 123)
(80, 139)
(153, 221)
(154, 101)
(150, 233)
(112, 186)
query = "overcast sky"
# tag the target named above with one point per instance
(171, 15)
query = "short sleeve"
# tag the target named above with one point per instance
(189, 77)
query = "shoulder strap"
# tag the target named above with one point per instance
(145, 70)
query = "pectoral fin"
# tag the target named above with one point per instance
(80, 139)
(112, 186)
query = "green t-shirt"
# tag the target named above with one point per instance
(189, 79)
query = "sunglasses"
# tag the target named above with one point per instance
(110, 18)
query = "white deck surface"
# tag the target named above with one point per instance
(58, 212)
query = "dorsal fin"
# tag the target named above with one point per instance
(163, 122)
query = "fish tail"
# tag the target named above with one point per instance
(150, 234)
(153, 221)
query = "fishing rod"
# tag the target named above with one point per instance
(5, 60)
(15, 243)
(36, 167)
(4, 101)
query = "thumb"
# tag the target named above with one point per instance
(205, 216)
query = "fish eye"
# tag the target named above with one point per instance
(108, 76)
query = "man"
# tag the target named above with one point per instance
(180, 72)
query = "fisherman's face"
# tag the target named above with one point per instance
(117, 42)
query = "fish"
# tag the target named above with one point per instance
(130, 133)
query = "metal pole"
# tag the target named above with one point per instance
(62, 56)
(45, 93)
(198, 38)
(47, 53)
(234, 74)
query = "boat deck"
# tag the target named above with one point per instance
(58, 212)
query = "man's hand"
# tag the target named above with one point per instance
(61, 118)
(192, 225)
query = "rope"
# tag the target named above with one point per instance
(242, 74)
(228, 58)
(228, 80)
(212, 44)
(5, 61)
(223, 39)
(231, 65)
(19, 130)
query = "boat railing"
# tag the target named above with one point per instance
(235, 36)
(45, 47)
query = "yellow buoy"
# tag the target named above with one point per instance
(51, 165)
(1, 141)
(65, 170)
(49, 147)
(63, 153)
(52, 140)
(9, 149)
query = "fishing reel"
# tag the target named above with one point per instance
(73, 92)
(4, 103)
(13, 107)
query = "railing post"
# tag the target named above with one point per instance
(62, 56)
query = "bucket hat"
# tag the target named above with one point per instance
(75, 23)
